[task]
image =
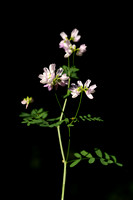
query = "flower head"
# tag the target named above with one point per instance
(26, 101)
(81, 50)
(71, 48)
(50, 79)
(77, 89)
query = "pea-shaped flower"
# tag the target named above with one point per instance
(51, 79)
(77, 89)
(27, 101)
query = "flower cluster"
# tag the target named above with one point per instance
(77, 89)
(50, 79)
(27, 101)
(70, 48)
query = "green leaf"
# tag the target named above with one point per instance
(23, 114)
(75, 162)
(34, 112)
(114, 158)
(98, 152)
(107, 156)
(81, 117)
(119, 164)
(102, 160)
(110, 161)
(53, 119)
(91, 160)
(44, 115)
(56, 124)
(70, 125)
(84, 153)
(40, 110)
(71, 72)
(77, 155)
(89, 155)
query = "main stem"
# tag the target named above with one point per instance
(60, 142)
(62, 153)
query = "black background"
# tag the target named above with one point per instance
(37, 158)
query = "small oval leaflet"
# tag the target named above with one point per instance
(77, 155)
(75, 163)
(91, 160)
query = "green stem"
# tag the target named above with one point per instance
(79, 104)
(68, 149)
(62, 153)
(59, 104)
(73, 57)
(77, 108)
(60, 141)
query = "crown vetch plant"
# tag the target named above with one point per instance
(53, 78)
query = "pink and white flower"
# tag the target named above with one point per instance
(81, 50)
(71, 48)
(74, 35)
(27, 101)
(77, 89)
(48, 74)
(50, 79)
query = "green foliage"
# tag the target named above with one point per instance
(35, 117)
(86, 117)
(104, 158)
(71, 72)
(39, 117)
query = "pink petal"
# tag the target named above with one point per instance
(24, 102)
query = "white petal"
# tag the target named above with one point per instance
(46, 70)
(63, 35)
(89, 95)
(67, 55)
(40, 76)
(92, 87)
(52, 68)
(87, 83)
(64, 77)
(61, 44)
(59, 71)
(75, 94)
(77, 38)
(80, 83)
(74, 33)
